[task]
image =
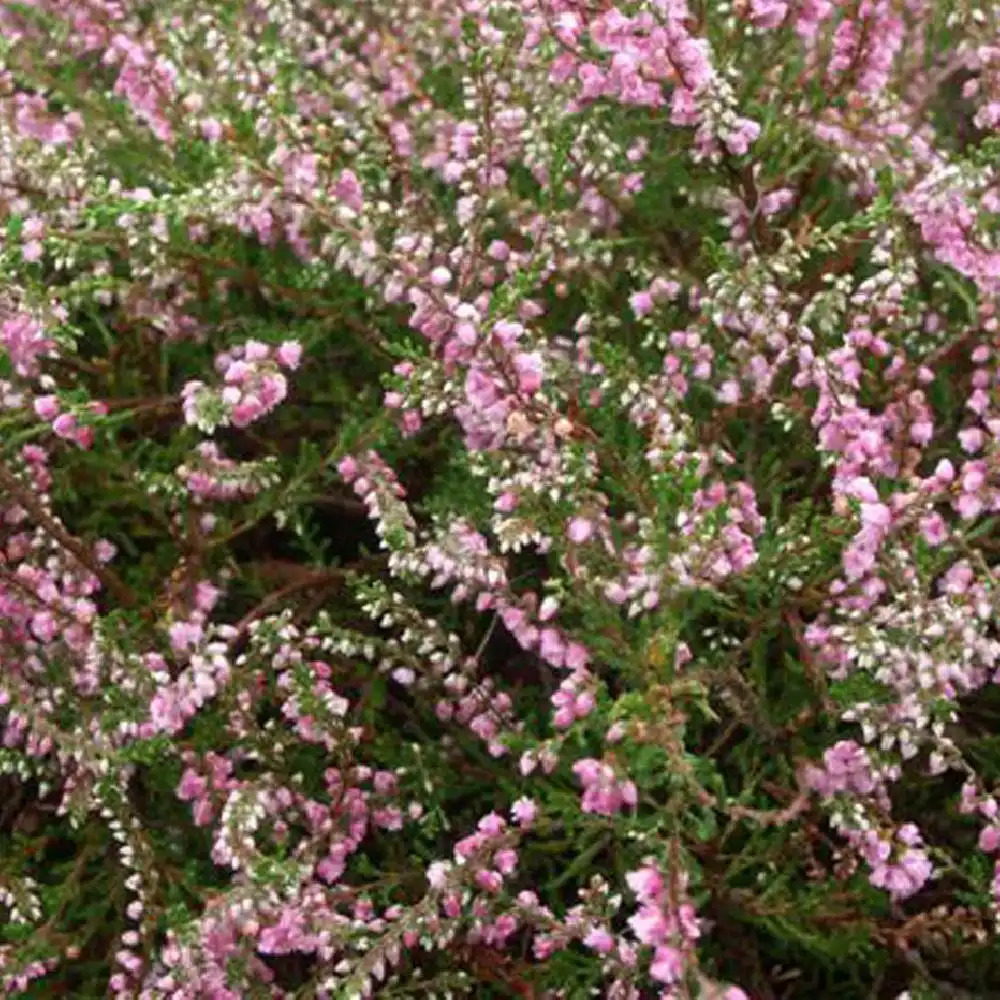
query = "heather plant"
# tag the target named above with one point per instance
(498, 499)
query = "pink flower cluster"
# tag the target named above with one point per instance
(899, 866)
(33, 120)
(374, 482)
(210, 476)
(203, 649)
(253, 385)
(808, 329)
(846, 769)
(24, 340)
(604, 792)
(147, 81)
(665, 924)
(66, 423)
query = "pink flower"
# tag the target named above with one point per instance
(104, 551)
(944, 471)
(577, 656)
(211, 129)
(348, 469)
(599, 939)
(490, 881)
(647, 883)
(47, 407)
(729, 392)
(667, 965)
(529, 372)
(505, 860)
(499, 250)
(969, 506)
(774, 201)
(492, 824)
(642, 303)
(768, 13)
(185, 636)
(289, 354)
(989, 839)
(876, 514)
(934, 530)
(649, 925)
(552, 648)
(192, 786)
(505, 503)
(348, 190)
(524, 811)
(738, 142)
(64, 425)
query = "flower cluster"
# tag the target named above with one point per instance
(254, 384)
(610, 609)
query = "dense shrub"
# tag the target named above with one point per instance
(498, 498)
